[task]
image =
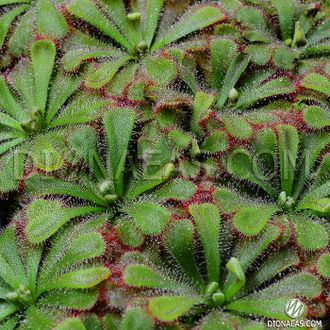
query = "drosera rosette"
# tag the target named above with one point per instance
(38, 102)
(175, 136)
(280, 32)
(313, 99)
(126, 194)
(31, 19)
(38, 281)
(290, 173)
(234, 91)
(142, 30)
(188, 277)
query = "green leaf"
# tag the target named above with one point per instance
(77, 279)
(20, 40)
(7, 309)
(179, 189)
(89, 245)
(215, 142)
(180, 140)
(320, 205)
(197, 18)
(154, 9)
(91, 321)
(273, 87)
(44, 215)
(62, 86)
(323, 265)
(129, 233)
(116, 10)
(10, 105)
(106, 72)
(160, 70)
(148, 183)
(43, 54)
(288, 140)
(271, 301)
(252, 18)
(284, 58)
(241, 163)
(207, 220)
(223, 52)
(76, 299)
(72, 59)
(118, 128)
(45, 155)
(71, 324)
(311, 146)
(189, 169)
(316, 117)
(179, 242)
(317, 82)
(82, 109)
(141, 275)
(251, 220)
(86, 10)
(274, 264)
(137, 319)
(285, 10)
(8, 121)
(7, 19)
(228, 201)
(10, 324)
(39, 318)
(12, 165)
(202, 103)
(122, 79)
(235, 268)
(157, 216)
(61, 244)
(170, 308)
(260, 53)
(321, 186)
(50, 22)
(235, 70)
(238, 127)
(113, 322)
(84, 142)
(37, 184)
(310, 235)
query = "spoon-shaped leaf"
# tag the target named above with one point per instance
(169, 308)
(43, 56)
(118, 128)
(151, 218)
(288, 148)
(196, 18)
(207, 221)
(46, 217)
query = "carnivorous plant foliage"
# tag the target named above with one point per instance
(32, 293)
(37, 101)
(213, 283)
(281, 31)
(134, 28)
(169, 162)
(42, 17)
(288, 167)
(106, 189)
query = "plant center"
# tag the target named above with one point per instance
(21, 297)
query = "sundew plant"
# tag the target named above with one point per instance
(164, 165)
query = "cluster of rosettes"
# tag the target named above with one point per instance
(171, 160)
